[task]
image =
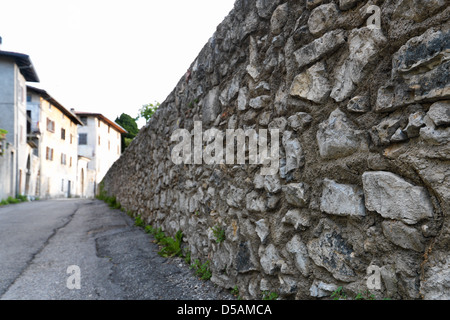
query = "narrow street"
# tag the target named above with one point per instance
(113, 259)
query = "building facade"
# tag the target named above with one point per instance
(16, 153)
(54, 131)
(99, 139)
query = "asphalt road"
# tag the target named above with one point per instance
(113, 259)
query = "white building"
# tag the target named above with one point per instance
(54, 132)
(16, 156)
(99, 139)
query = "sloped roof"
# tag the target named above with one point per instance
(24, 63)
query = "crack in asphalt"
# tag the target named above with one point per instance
(35, 254)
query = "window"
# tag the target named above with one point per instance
(84, 119)
(62, 185)
(71, 138)
(82, 139)
(28, 97)
(118, 150)
(109, 129)
(98, 140)
(49, 154)
(63, 134)
(109, 145)
(99, 123)
(50, 125)
(63, 159)
(70, 162)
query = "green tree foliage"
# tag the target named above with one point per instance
(129, 124)
(147, 111)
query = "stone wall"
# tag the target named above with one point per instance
(362, 191)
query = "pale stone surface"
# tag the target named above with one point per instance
(342, 199)
(279, 18)
(394, 198)
(403, 236)
(312, 84)
(439, 113)
(322, 19)
(297, 218)
(296, 194)
(295, 157)
(320, 289)
(299, 250)
(270, 259)
(320, 47)
(364, 45)
(300, 121)
(336, 137)
(358, 104)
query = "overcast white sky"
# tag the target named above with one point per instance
(109, 56)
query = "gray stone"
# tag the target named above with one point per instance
(403, 236)
(296, 194)
(297, 218)
(342, 199)
(322, 19)
(270, 260)
(347, 4)
(332, 252)
(435, 136)
(295, 157)
(255, 202)
(415, 122)
(320, 289)
(235, 197)
(359, 104)
(279, 18)
(211, 106)
(436, 285)
(312, 84)
(272, 183)
(262, 230)
(399, 136)
(390, 280)
(310, 4)
(300, 252)
(414, 10)
(253, 72)
(439, 113)
(266, 7)
(383, 132)
(242, 99)
(385, 99)
(278, 123)
(300, 121)
(336, 137)
(245, 259)
(320, 47)
(364, 45)
(260, 102)
(394, 198)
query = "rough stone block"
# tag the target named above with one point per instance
(342, 199)
(320, 47)
(312, 84)
(403, 236)
(296, 194)
(336, 137)
(394, 198)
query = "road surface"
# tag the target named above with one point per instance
(83, 250)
